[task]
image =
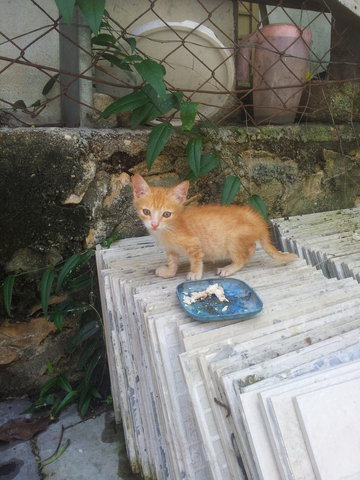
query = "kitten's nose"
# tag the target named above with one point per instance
(154, 225)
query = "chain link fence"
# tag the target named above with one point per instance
(244, 63)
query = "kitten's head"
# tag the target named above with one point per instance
(157, 207)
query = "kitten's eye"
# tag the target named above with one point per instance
(146, 211)
(167, 214)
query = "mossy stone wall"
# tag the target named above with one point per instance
(64, 190)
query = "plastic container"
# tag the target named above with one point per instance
(279, 66)
(242, 301)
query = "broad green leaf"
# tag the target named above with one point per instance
(66, 9)
(49, 85)
(84, 390)
(57, 317)
(208, 162)
(104, 39)
(95, 393)
(132, 59)
(74, 262)
(165, 103)
(85, 256)
(69, 397)
(110, 240)
(36, 104)
(151, 93)
(193, 152)
(87, 353)
(178, 98)
(144, 114)
(162, 104)
(104, 23)
(157, 141)
(46, 283)
(51, 399)
(48, 386)
(84, 405)
(91, 367)
(93, 11)
(153, 73)
(152, 110)
(125, 104)
(87, 392)
(87, 331)
(64, 383)
(8, 288)
(188, 111)
(79, 283)
(114, 60)
(231, 187)
(67, 268)
(258, 204)
(20, 104)
(63, 306)
(132, 42)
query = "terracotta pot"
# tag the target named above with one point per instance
(279, 65)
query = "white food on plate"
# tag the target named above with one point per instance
(214, 289)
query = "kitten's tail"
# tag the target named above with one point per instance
(269, 248)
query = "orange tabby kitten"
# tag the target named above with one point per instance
(202, 232)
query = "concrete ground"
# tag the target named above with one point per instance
(68, 449)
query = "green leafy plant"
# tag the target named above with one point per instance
(93, 11)
(38, 105)
(258, 204)
(152, 100)
(231, 188)
(73, 282)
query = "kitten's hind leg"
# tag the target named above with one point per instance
(239, 256)
(169, 270)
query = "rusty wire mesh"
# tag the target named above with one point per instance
(225, 55)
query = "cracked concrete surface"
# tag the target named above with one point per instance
(92, 448)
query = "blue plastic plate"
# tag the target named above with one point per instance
(243, 301)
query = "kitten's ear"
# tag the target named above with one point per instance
(179, 192)
(140, 187)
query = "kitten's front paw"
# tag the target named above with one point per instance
(193, 276)
(164, 272)
(224, 271)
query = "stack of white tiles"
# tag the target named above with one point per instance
(328, 240)
(230, 400)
